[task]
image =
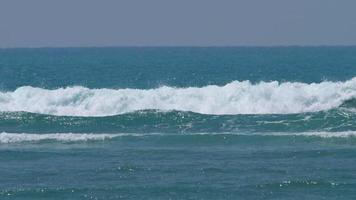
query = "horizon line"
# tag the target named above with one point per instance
(175, 46)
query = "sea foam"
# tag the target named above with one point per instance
(64, 137)
(84, 137)
(233, 98)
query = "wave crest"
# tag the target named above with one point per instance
(233, 98)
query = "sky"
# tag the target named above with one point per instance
(66, 23)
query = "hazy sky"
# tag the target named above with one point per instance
(35, 23)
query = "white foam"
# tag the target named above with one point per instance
(233, 98)
(322, 134)
(82, 137)
(64, 137)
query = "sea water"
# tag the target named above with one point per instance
(178, 123)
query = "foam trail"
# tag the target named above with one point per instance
(322, 134)
(64, 137)
(82, 137)
(233, 98)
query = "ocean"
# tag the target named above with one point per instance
(178, 123)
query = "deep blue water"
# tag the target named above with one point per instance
(178, 123)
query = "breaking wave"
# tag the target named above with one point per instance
(233, 98)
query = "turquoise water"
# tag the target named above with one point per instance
(178, 123)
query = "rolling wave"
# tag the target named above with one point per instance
(150, 121)
(233, 98)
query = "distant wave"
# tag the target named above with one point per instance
(233, 98)
(77, 137)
